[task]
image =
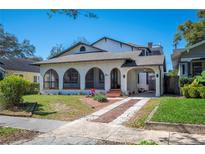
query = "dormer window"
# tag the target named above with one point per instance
(82, 49)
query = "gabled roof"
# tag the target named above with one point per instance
(193, 46)
(75, 45)
(128, 44)
(104, 56)
(18, 64)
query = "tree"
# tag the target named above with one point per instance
(80, 39)
(11, 47)
(60, 48)
(191, 32)
(56, 50)
(73, 13)
(36, 58)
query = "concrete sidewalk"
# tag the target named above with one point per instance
(84, 132)
(41, 125)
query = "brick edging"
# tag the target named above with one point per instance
(173, 127)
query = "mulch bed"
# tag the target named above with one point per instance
(98, 105)
(116, 112)
(17, 136)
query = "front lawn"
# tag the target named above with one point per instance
(9, 135)
(138, 121)
(59, 107)
(180, 110)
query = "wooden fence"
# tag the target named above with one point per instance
(171, 85)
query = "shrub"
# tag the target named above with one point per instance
(100, 97)
(12, 88)
(185, 80)
(202, 92)
(185, 90)
(32, 88)
(193, 92)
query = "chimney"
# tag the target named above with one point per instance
(150, 44)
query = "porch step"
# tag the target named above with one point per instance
(114, 93)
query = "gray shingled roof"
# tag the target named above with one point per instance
(102, 56)
(18, 64)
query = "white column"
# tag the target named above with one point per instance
(82, 80)
(60, 75)
(107, 81)
(124, 82)
(157, 76)
(41, 81)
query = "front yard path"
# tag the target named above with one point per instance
(40, 125)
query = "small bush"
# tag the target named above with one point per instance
(12, 89)
(202, 92)
(193, 92)
(32, 88)
(185, 80)
(100, 97)
(185, 90)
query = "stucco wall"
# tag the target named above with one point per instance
(84, 67)
(113, 46)
(26, 75)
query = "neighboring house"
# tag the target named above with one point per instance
(104, 65)
(189, 61)
(20, 67)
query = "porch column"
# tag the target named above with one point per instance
(60, 76)
(124, 82)
(82, 80)
(41, 81)
(157, 77)
(107, 81)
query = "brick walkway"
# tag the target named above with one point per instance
(116, 112)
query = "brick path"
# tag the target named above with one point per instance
(116, 112)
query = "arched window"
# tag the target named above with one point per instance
(50, 80)
(71, 79)
(82, 49)
(95, 79)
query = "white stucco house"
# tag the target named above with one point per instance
(189, 61)
(104, 65)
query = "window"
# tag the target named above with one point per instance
(183, 69)
(147, 78)
(144, 52)
(197, 68)
(82, 49)
(71, 79)
(50, 80)
(138, 78)
(35, 78)
(21, 75)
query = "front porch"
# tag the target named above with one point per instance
(79, 78)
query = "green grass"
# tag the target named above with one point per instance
(7, 131)
(148, 142)
(138, 121)
(180, 110)
(59, 107)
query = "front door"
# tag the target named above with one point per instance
(115, 79)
